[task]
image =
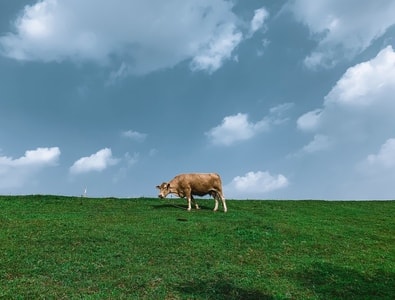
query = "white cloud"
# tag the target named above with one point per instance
(219, 49)
(343, 28)
(360, 106)
(355, 118)
(255, 184)
(377, 171)
(98, 161)
(134, 135)
(310, 120)
(366, 84)
(257, 22)
(236, 128)
(385, 158)
(16, 172)
(319, 143)
(136, 36)
(374, 175)
(277, 112)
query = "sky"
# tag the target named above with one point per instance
(284, 99)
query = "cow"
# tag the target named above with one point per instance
(199, 184)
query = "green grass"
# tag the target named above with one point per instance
(56, 247)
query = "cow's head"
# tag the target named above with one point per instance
(164, 189)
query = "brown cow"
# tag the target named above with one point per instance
(199, 184)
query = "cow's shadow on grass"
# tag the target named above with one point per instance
(335, 282)
(219, 289)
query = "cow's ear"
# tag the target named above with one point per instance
(168, 186)
(158, 187)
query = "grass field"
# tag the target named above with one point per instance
(57, 247)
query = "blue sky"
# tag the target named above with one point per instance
(284, 99)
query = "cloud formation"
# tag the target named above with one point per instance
(309, 121)
(97, 162)
(367, 84)
(237, 128)
(16, 172)
(343, 28)
(219, 49)
(359, 108)
(136, 36)
(134, 135)
(319, 143)
(257, 22)
(255, 184)
(385, 158)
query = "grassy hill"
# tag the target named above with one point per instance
(70, 247)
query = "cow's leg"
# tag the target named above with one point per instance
(189, 198)
(215, 196)
(189, 202)
(223, 202)
(194, 202)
